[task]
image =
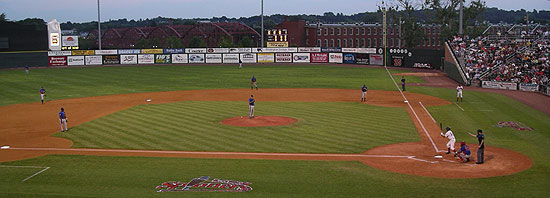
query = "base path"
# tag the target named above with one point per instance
(27, 129)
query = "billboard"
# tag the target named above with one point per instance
(93, 60)
(129, 59)
(319, 57)
(106, 52)
(195, 50)
(248, 58)
(180, 58)
(82, 52)
(59, 53)
(499, 85)
(266, 57)
(300, 57)
(69, 41)
(217, 50)
(196, 58)
(213, 58)
(57, 60)
(75, 60)
(376, 59)
(240, 50)
(152, 51)
(146, 59)
(331, 49)
(335, 58)
(277, 44)
(349, 58)
(285, 49)
(230, 58)
(111, 60)
(360, 50)
(283, 57)
(397, 60)
(129, 51)
(528, 87)
(362, 59)
(163, 58)
(54, 35)
(309, 49)
(174, 51)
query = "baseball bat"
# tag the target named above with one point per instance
(441, 126)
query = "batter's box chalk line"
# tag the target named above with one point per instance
(29, 177)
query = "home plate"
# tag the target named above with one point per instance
(438, 156)
(148, 100)
(5, 147)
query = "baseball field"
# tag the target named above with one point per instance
(149, 131)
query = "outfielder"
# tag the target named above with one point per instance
(63, 120)
(459, 89)
(452, 140)
(251, 107)
(364, 93)
(253, 83)
(42, 94)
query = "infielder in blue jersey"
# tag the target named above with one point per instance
(364, 93)
(251, 107)
(63, 120)
(42, 94)
(253, 83)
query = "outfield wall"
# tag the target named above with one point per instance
(21, 59)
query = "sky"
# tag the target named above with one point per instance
(86, 10)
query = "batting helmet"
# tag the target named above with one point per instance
(448, 128)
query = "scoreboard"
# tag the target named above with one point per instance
(277, 38)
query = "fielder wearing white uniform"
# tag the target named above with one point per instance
(452, 140)
(459, 92)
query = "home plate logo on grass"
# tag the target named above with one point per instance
(204, 184)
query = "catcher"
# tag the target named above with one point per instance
(464, 152)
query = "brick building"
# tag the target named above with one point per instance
(352, 35)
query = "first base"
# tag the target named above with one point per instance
(406, 101)
(5, 147)
(148, 100)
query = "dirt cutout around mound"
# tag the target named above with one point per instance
(27, 128)
(259, 121)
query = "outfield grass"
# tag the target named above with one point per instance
(195, 126)
(93, 176)
(74, 82)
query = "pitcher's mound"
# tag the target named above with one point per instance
(258, 121)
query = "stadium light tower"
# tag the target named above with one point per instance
(262, 4)
(98, 24)
(461, 16)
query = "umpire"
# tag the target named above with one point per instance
(481, 146)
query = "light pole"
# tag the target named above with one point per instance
(262, 4)
(98, 24)
(461, 16)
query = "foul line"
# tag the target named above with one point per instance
(459, 106)
(427, 112)
(209, 153)
(414, 112)
(43, 169)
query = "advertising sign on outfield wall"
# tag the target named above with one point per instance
(57, 60)
(349, 58)
(331, 49)
(266, 57)
(196, 58)
(163, 58)
(230, 58)
(129, 51)
(195, 50)
(285, 49)
(93, 60)
(283, 57)
(362, 59)
(106, 52)
(360, 50)
(180, 58)
(309, 49)
(71, 41)
(319, 57)
(75, 60)
(213, 58)
(129, 59)
(217, 50)
(59, 53)
(174, 51)
(529, 87)
(111, 60)
(146, 59)
(376, 59)
(152, 51)
(83, 52)
(240, 50)
(335, 58)
(499, 85)
(248, 58)
(301, 57)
